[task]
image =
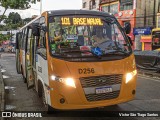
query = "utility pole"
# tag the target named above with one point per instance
(158, 6)
(109, 7)
(154, 14)
(145, 14)
(40, 7)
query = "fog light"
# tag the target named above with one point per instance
(62, 100)
(133, 92)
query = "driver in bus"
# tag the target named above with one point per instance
(100, 37)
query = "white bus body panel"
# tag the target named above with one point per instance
(42, 75)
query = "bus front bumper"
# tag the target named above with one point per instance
(67, 98)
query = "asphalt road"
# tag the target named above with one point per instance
(18, 98)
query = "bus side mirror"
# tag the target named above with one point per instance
(127, 27)
(44, 28)
(35, 30)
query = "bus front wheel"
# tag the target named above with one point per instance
(47, 108)
(24, 79)
(41, 94)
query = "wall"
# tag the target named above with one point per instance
(96, 7)
(148, 6)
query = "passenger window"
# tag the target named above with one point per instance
(42, 44)
(24, 39)
(30, 37)
(42, 39)
(18, 40)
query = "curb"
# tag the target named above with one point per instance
(2, 94)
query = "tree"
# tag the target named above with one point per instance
(26, 20)
(15, 4)
(13, 18)
(13, 21)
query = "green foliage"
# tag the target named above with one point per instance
(13, 18)
(11, 24)
(15, 4)
(13, 21)
(5, 37)
(26, 20)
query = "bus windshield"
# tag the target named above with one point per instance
(86, 36)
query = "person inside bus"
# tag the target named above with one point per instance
(99, 37)
(156, 41)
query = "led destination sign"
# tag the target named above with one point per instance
(81, 21)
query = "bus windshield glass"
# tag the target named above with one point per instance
(86, 36)
(156, 37)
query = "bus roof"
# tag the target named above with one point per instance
(79, 12)
(72, 12)
(155, 29)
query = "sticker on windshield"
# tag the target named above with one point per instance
(97, 51)
(86, 48)
(72, 37)
(53, 46)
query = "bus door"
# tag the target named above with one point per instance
(18, 44)
(34, 48)
(29, 59)
(24, 43)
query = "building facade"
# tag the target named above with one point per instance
(90, 4)
(140, 13)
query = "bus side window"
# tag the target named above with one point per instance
(42, 45)
(20, 40)
(29, 37)
(24, 39)
(42, 39)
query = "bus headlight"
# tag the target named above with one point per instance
(130, 75)
(66, 81)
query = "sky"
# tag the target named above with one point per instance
(47, 5)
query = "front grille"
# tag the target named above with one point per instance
(90, 84)
(103, 96)
(96, 81)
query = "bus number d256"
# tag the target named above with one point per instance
(86, 71)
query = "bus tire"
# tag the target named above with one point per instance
(41, 94)
(40, 88)
(47, 108)
(24, 79)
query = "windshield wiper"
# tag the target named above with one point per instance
(117, 51)
(83, 51)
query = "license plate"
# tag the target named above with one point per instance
(103, 90)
